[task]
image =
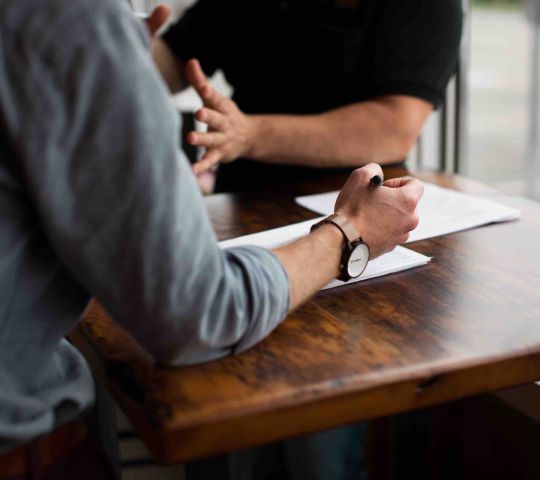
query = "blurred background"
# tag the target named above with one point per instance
(501, 91)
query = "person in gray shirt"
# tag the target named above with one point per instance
(97, 200)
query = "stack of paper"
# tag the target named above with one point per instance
(441, 211)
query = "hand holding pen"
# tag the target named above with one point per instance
(383, 216)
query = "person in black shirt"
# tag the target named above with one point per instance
(317, 83)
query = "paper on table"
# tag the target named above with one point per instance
(273, 238)
(395, 261)
(441, 211)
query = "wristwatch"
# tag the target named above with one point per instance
(355, 256)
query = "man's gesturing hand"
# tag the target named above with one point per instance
(230, 131)
(384, 215)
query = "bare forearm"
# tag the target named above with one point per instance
(372, 131)
(311, 262)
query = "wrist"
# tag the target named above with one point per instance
(254, 145)
(331, 239)
(355, 252)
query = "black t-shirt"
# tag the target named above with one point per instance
(309, 56)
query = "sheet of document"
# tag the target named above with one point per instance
(395, 261)
(441, 211)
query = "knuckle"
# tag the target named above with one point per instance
(218, 122)
(373, 169)
(227, 104)
(373, 166)
(218, 99)
(359, 175)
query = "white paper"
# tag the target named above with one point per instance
(395, 261)
(441, 211)
(273, 238)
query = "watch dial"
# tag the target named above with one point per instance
(358, 260)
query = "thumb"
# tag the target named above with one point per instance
(158, 18)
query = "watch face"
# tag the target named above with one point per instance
(358, 260)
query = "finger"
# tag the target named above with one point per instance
(209, 95)
(209, 160)
(196, 76)
(214, 120)
(158, 18)
(213, 99)
(410, 191)
(368, 171)
(409, 185)
(397, 182)
(207, 140)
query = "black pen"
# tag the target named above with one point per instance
(376, 181)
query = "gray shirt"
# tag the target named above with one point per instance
(96, 199)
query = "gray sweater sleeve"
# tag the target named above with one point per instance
(97, 140)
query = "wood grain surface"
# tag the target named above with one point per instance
(468, 322)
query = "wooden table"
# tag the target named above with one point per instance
(468, 322)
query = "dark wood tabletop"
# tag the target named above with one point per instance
(467, 322)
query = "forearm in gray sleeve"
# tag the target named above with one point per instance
(240, 307)
(267, 288)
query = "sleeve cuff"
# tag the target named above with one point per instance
(436, 98)
(268, 287)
